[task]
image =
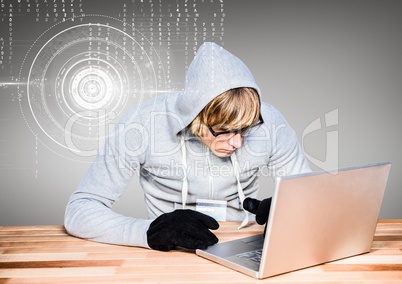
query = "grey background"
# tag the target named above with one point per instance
(309, 58)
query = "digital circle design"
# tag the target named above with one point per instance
(82, 78)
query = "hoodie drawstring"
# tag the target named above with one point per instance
(184, 190)
(235, 164)
(210, 181)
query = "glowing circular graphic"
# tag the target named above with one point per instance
(82, 77)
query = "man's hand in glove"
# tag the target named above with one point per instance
(185, 228)
(259, 208)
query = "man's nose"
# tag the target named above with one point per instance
(236, 141)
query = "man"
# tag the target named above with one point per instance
(210, 141)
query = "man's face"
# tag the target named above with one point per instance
(223, 145)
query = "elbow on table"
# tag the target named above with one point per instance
(69, 222)
(74, 223)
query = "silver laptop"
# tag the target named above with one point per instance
(314, 218)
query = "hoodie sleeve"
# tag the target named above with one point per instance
(286, 155)
(88, 213)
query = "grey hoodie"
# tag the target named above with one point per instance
(174, 167)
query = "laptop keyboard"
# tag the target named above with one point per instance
(254, 255)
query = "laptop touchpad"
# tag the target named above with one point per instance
(255, 241)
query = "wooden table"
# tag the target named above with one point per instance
(46, 254)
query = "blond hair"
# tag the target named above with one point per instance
(232, 110)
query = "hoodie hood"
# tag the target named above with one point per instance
(213, 71)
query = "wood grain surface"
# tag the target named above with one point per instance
(47, 254)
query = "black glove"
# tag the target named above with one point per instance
(259, 208)
(184, 228)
